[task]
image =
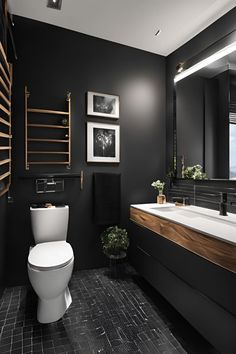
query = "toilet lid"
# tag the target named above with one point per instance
(48, 255)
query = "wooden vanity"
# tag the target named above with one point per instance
(193, 271)
(212, 249)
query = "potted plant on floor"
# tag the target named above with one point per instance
(115, 242)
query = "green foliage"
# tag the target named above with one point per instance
(170, 174)
(158, 185)
(194, 172)
(114, 240)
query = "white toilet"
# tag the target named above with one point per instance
(50, 262)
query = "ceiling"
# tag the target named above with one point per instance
(130, 22)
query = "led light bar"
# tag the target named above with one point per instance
(209, 60)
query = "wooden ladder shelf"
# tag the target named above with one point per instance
(36, 142)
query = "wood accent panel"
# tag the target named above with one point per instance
(5, 147)
(4, 175)
(5, 98)
(4, 55)
(5, 110)
(5, 190)
(2, 82)
(4, 135)
(5, 132)
(3, 162)
(5, 74)
(4, 121)
(212, 249)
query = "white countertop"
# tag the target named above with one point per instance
(206, 221)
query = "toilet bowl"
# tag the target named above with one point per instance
(50, 266)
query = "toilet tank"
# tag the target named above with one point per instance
(49, 224)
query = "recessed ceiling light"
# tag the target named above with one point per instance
(54, 4)
(157, 32)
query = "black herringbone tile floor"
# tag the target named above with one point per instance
(107, 316)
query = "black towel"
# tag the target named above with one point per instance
(107, 198)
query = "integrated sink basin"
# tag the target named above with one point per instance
(178, 210)
(165, 209)
(186, 211)
(200, 219)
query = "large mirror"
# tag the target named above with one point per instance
(205, 98)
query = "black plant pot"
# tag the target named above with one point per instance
(117, 265)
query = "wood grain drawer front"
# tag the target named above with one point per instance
(212, 249)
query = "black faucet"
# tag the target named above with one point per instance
(223, 204)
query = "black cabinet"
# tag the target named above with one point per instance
(211, 280)
(201, 291)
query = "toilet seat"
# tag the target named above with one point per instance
(50, 255)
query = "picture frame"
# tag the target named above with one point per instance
(103, 142)
(103, 105)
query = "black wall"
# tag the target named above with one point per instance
(51, 61)
(3, 208)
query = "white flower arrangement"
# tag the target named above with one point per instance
(158, 185)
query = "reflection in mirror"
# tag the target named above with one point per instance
(206, 115)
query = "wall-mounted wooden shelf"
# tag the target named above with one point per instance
(48, 126)
(4, 135)
(5, 147)
(49, 140)
(36, 134)
(47, 111)
(4, 175)
(5, 122)
(3, 162)
(48, 152)
(48, 162)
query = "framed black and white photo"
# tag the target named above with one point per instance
(103, 142)
(103, 105)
